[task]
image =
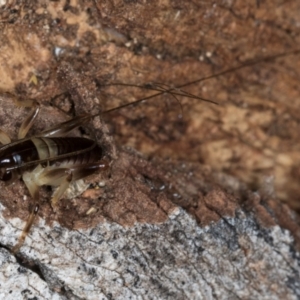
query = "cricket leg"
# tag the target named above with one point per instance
(26, 229)
(4, 138)
(34, 192)
(28, 122)
(63, 128)
(55, 131)
(61, 177)
(64, 176)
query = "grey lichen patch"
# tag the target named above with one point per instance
(18, 282)
(233, 258)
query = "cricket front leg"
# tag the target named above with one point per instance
(62, 177)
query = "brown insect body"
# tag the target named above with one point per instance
(48, 159)
(65, 152)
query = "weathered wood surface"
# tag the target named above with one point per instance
(161, 228)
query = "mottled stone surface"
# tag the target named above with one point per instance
(233, 258)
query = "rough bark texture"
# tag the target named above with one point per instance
(200, 217)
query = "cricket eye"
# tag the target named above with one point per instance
(5, 175)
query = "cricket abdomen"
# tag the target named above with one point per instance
(64, 151)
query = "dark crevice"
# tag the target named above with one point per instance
(30, 265)
(4, 247)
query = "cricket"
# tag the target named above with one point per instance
(52, 158)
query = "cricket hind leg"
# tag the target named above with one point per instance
(26, 229)
(55, 131)
(28, 122)
(34, 192)
(4, 138)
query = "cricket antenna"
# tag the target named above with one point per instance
(178, 90)
(173, 91)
